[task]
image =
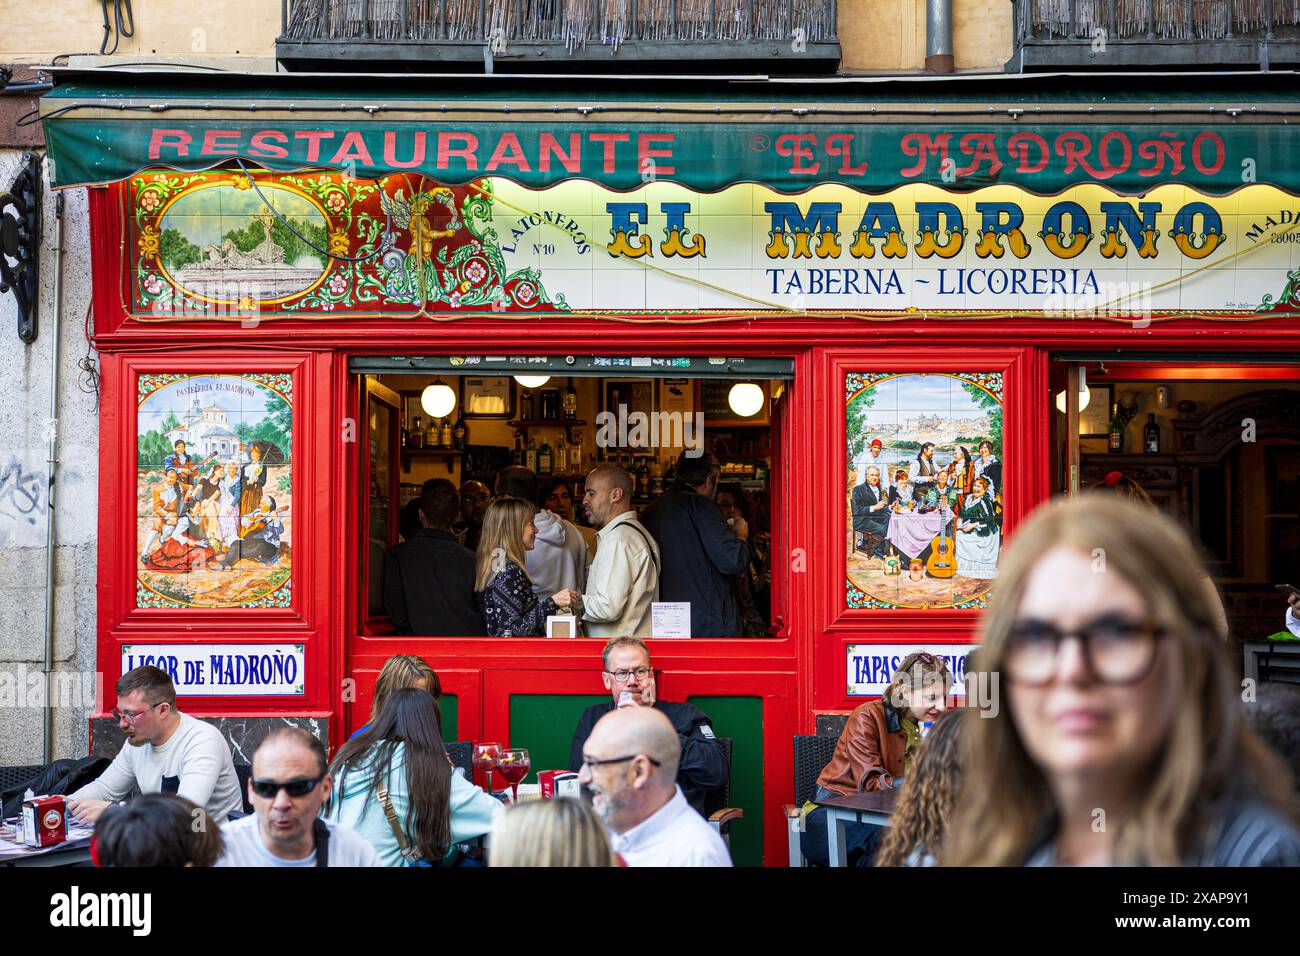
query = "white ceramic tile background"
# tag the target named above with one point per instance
(735, 225)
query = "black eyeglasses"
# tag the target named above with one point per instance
(267, 789)
(641, 673)
(588, 762)
(131, 716)
(1115, 650)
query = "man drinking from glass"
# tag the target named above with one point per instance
(630, 679)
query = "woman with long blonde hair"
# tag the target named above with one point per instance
(1119, 739)
(920, 819)
(558, 832)
(398, 673)
(505, 591)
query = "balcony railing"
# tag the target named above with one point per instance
(677, 34)
(1155, 34)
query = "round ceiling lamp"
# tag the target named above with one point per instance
(438, 399)
(746, 399)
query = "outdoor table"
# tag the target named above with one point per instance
(68, 853)
(874, 808)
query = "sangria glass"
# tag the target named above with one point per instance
(514, 766)
(486, 756)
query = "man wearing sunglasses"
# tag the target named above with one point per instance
(629, 763)
(630, 680)
(165, 752)
(290, 782)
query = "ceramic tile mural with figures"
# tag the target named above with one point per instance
(923, 489)
(214, 490)
(320, 245)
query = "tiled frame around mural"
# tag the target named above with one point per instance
(214, 517)
(900, 564)
(225, 244)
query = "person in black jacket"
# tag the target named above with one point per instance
(429, 579)
(630, 680)
(699, 551)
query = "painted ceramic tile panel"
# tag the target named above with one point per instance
(230, 245)
(223, 245)
(214, 490)
(923, 494)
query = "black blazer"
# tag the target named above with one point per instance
(429, 587)
(865, 496)
(698, 556)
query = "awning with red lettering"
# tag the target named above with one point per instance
(624, 133)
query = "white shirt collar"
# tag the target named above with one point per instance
(616, 521)
(654, 827)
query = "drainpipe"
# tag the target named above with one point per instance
(938, 36)
(51, 467)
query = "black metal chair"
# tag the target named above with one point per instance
(461, 753)
(811, 755)
(717, 808)
(244, 772)
(13, 776)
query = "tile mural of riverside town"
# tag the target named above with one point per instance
(223, 243)
(923, 495)
(214, 490)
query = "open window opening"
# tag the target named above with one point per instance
(1213, 441)
(433, 418)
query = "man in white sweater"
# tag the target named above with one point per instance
(165, 752)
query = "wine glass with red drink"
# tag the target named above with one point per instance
(514, 766)
(486, 756)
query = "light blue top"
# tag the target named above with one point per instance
(353, 804)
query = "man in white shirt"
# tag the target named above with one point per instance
(165, 752)
(630, 764)
(289, 785)
(558, 558)
(623, 581)
(1292, 619)
(873, 454)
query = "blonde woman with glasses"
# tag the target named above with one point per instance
(558, 832)
(1119, 738)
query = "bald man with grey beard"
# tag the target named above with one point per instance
(630, 765)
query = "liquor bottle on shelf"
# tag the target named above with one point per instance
(417, 432)
(446, 440)
(405, 438)
(526, 407)
(656, 478)
(545, 459)
(1116, 443)
(530, 455)
(460, 434)
(435, 434)
(561, 457)
(1151, 435)
(642, 480)
(570, 402)
(518, 456)
(575, 456)
(551, 404)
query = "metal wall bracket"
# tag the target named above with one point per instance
(20, 243)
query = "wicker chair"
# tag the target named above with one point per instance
(811, 755)
(717, 809)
